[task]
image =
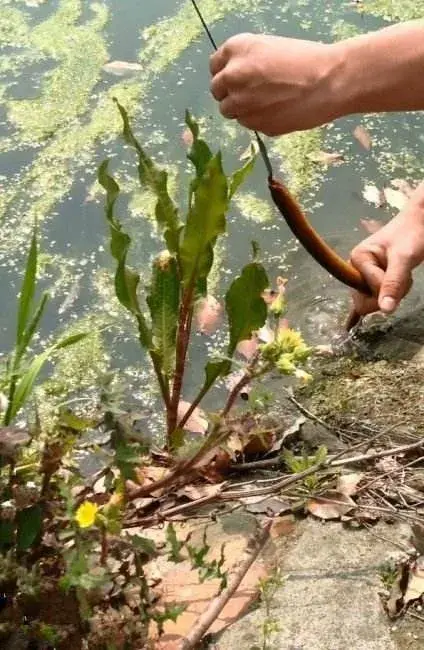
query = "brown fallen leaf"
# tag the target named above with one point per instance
(326, 157)
(197, 422)
(195, 492)
(371, 225)
(363, 136)
(418, 537)
(330, 505)
(11, 439)
(120, 68)
(373, 195)
(348, 483)
(208, 315)
(395, 198)
(249, 347)
(187, 137)
(415, 588)
(394, 604)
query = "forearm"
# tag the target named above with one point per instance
(381, 71)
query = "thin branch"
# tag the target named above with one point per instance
(199, 629)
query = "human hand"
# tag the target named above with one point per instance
(274, 84)
(387, 258)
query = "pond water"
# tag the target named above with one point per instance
(58, 122)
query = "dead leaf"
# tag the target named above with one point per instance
(418, 537)
(187, 138)
(208, 314)
(195, 492)
(415, 588)
(348, 483)
(197, 422)
(373, 195)
(394, 604)
(11, 438)
(249, 347)
(120, 68)
(270, 506)
(326, 157)
(363, 136)
(395, 198)
(371, 225)
(292, 430)
(330, 505)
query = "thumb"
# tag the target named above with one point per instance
(396, 283)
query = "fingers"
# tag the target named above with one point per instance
(219, 60)
(396, 284)
(371, 262)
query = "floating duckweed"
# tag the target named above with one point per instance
(297, 151)
(342, 29)
(80, 51)
(399, 10)
(254, 208)
(14, 29)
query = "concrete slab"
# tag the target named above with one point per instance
(329, 599)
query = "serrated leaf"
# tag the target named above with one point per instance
(143, 544)
(157, 179)
(29, 524)
(28, 379)
(164, 302)
(174, 545)
(241, 174)
(126, 280)
(246, 308)
(205, 221)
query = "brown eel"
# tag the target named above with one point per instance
(316, 246)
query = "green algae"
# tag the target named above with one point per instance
(14, 27)
(297, 152)
(394, 10)
(80, 52)
(254, 208)
(341, 30)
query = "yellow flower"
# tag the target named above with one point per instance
(86, 514)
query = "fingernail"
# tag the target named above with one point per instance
(388, 304)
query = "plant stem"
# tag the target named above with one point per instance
(163, 383)
(183, 338)
(104, 546)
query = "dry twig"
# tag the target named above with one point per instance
(254, 547)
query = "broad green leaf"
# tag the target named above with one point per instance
(199, 154)
(164, 301)
(205, 221)
(30, 330)
(246, 309)
(68, 419)
(29, 524)
(28, 289)
(241, 174)
(126, 280)
(28, 379)
(157, 179)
